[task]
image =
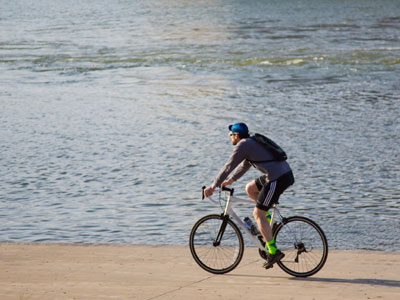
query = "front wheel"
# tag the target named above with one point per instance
(304, 244)
(216, 244)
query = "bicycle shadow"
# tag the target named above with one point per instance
(366, 281)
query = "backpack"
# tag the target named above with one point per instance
(271, 146)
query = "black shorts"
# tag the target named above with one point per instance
(269, 191)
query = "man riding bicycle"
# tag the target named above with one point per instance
(265, 190)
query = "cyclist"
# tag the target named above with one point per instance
(265, 190)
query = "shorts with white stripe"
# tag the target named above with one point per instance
(271, 190)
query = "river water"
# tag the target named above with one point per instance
(113, 114)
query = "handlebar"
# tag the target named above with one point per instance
(230, 190)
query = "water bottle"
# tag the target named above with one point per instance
(250, 226)
(248, 223)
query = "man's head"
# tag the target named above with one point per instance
(238, 131)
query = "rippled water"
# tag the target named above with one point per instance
(114, 114)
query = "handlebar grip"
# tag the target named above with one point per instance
(202, 192)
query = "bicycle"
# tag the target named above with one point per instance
(216, 242)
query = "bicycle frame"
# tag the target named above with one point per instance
(229, 212)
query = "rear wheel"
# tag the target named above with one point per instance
(216, 244)
(304, 244)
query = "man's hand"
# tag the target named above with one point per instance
(227, 182)
(209, 191)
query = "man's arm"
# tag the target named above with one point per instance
(237, 156)
(241, 170)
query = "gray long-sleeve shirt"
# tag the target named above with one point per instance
(246, 153)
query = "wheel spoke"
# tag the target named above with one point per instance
(220, 258)
(304, 245)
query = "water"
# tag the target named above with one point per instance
(114, 114)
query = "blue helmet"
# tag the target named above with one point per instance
(239, 128)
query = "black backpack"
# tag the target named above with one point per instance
(271, 146)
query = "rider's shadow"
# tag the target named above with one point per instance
(367, 281)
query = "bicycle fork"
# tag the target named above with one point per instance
(225, 218)
(221, 231)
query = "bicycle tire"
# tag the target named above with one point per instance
(304, 244)
(216, 259)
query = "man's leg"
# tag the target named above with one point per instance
(252, 190)
(269, 194)
(274, 255)
(263, 224)
(259, 215)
